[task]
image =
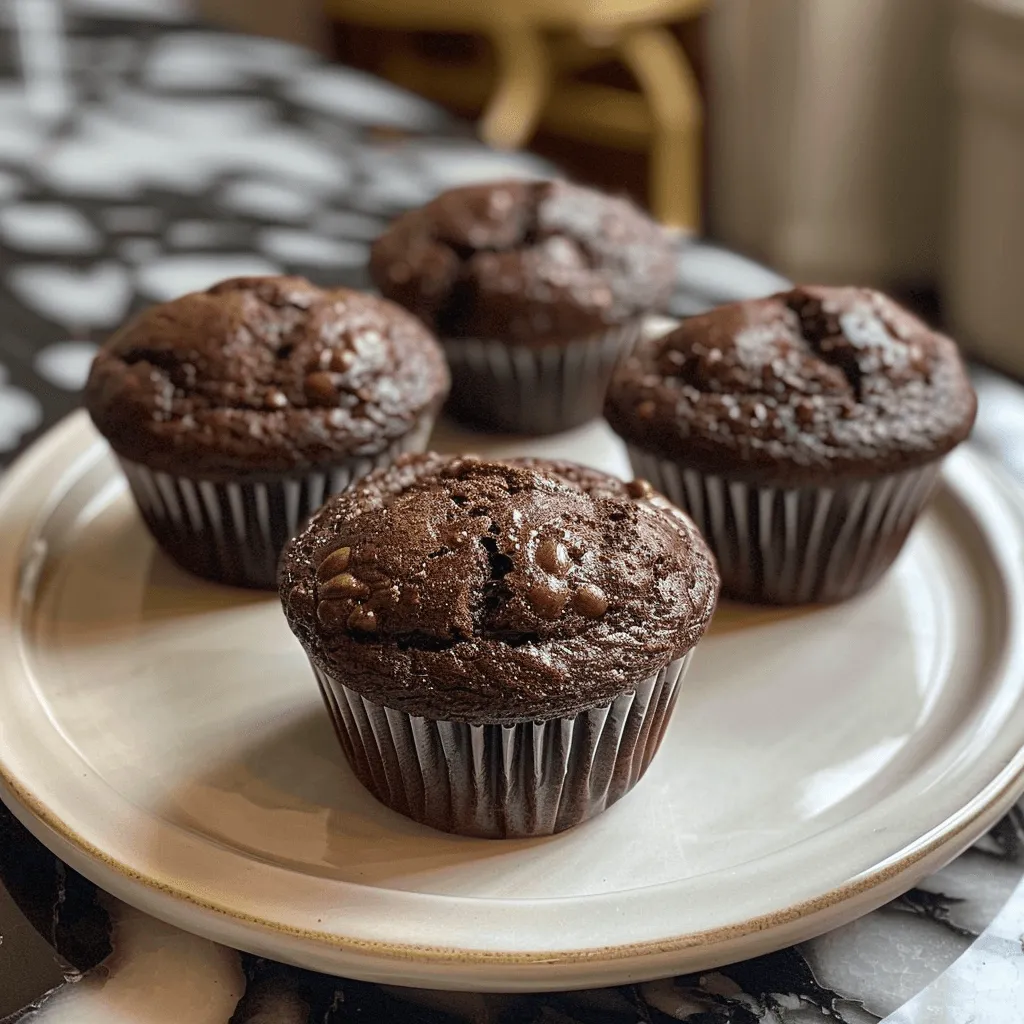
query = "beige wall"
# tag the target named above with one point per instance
(829, 129)
(985, 267)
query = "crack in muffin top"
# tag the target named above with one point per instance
(266, 374)
(526, 262)
(813, 379)
(496, 591)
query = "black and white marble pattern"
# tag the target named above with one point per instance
(142, 156)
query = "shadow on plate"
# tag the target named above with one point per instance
(291, 799)
(732, 616)
(113, 580)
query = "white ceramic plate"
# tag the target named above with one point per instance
(166, 738)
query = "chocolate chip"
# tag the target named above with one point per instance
(363, 619)
(590, 601)
(337, 561)
(300, 601)
(553, 557)
(548, 598)
(333, 614)
(276, 399)
(344, 585)
(639, 488)
(319, 388)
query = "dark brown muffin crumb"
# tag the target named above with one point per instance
(525, 262)
(496, 591)
(814, 379)
(268, 374)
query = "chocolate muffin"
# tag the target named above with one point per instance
(537, 290)
(505, 662)
(237, 411)
(804, 433)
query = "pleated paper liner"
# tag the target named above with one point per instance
(520, 389)
(799, 545)
(233, 531)
(504, 781)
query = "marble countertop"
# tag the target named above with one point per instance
(142, 156)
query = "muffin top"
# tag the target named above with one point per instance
(496, 591)
(526, 262)
(263, 375)
(840, 380)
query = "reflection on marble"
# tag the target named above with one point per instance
(355, 96)
(78, 298)
(155, 184)
(65, 363)
(273, 200)
(152, 958)
(201, 62)
(170, 276)
(47, 227)
(304, 248)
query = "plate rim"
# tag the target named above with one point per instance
(956, 831)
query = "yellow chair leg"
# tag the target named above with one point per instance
(661, 68)
(524, 76)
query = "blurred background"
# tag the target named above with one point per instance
(877, 141)
(151, 147)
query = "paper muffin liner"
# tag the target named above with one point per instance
(233, 531)
(504, 781)
(800, 545)
(520, 389)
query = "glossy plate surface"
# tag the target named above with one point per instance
(166, 738)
